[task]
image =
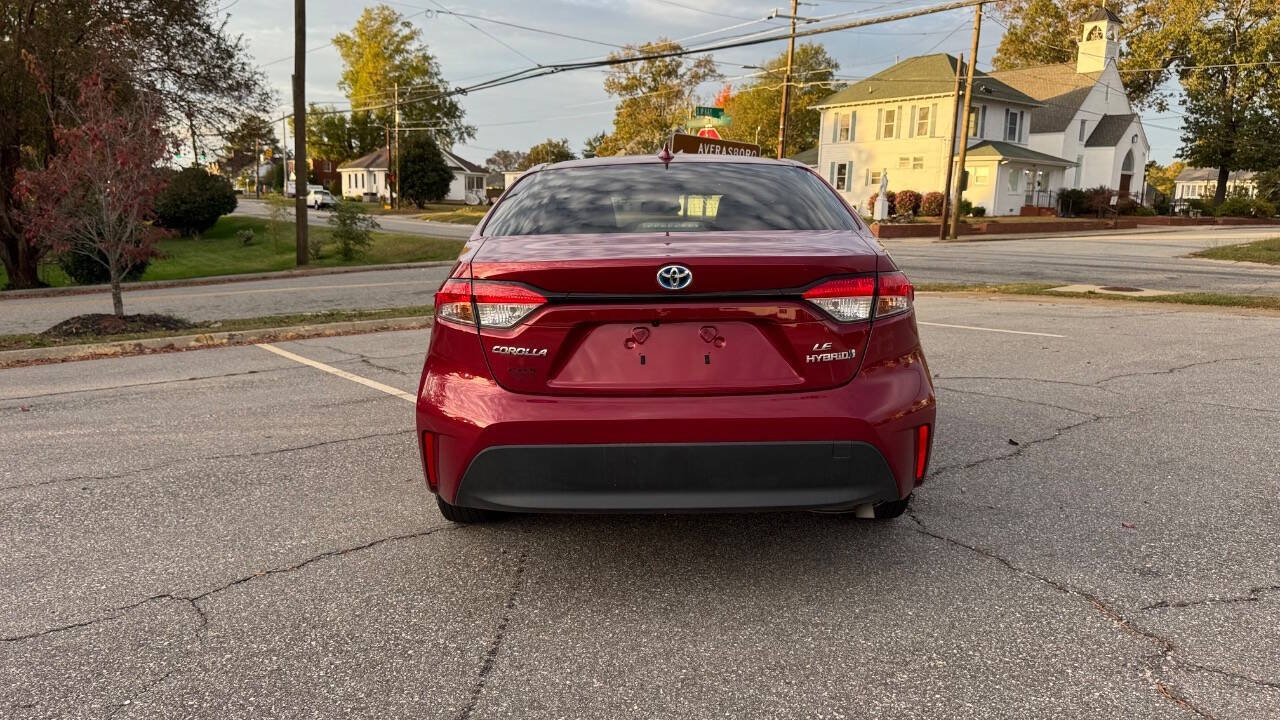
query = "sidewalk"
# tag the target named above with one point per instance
(215, 280)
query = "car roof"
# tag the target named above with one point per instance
(676, 159)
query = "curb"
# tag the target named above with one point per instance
(217, 280)
(179, 343)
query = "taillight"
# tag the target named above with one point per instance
(896, 294)
(496, 305)
(429, 460)
(453, 302)
(851, 299)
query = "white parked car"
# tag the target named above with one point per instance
(321, 199)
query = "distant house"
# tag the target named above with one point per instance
(323, 171)
(1195, 183)
(1032, 131)
(367, 176)
(807, 157)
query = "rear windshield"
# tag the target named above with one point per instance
(693, 197)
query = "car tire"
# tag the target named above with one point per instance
(890, 509)
(466, 515)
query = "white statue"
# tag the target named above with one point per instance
(882, 200)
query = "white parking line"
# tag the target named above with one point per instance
(340, 373)
(984, 329)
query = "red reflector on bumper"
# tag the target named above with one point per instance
(922, 451)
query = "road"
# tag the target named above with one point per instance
(1145, 259)
(392, 223)
(231, 534)
(1142, 259)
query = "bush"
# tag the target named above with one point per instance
(1263, 208)
(978, 211)
(1143, 211)
(84, 270)
(335, 187)
(352, 229)
(1235, 206)
(245, 236)
(194, 200)
(907, 201)
(1071, 201)
(1204, 207)
(966, 207)
(1098, 199)
(871, 202)
(931, 204)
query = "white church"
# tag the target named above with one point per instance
(1033, 131)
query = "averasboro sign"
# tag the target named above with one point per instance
(1033, 131)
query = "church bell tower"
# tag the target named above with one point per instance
(1099, 42)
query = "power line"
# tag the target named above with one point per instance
(484, 32)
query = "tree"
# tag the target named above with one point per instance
(199, 77)
(193, 200)
(94, 196)
(591, 146)
(424, 175)
(245, 143)
(1042, 32)
(655, 95)
(754, 109)
(550, 151)
(1226, 57)
(505, 160)
(383, 52)
(338, 135)
(1162, 177)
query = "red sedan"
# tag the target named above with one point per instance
(674, 334)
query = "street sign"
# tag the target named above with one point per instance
(709, 132)
(703, 111)
(695, 145)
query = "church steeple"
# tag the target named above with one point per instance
(1099, 41)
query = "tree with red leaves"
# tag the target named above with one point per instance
(95, 196)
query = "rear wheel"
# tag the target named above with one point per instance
(453, 513)
(887, 510)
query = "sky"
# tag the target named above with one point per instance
(574, 104)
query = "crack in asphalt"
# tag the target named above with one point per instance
(1179, 368)
(1025, 446)
(145, 689)
(1088, 386)
(1166, 646)
(161, 466)
(195, 600)
(129, 386)
(491, 656)
(1254, 595)
(1018, 399)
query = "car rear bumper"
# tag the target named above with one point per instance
(676, 477)
(487, 447)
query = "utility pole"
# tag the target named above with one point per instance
(964, 135)
(300, 128)
(786, 85)
(395, 108)
(257, 167)
(951, 153)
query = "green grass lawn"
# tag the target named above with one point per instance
(220, 252)
(459, 214)
(33, 340)
(1260, 251)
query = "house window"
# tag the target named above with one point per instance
(980, 176)
(873, 178)
(842, 176)
(1082, 126)
(889, 128)
(922, 121)
(844, 127)
(978, 121)
(1011, 126)
(1079, 170)
(904, 162)
(1014, 177)
(917, 162)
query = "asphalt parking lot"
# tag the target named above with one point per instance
(233, 534)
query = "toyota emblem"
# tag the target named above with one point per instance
(675, 277)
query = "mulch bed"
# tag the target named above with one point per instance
(107, 324)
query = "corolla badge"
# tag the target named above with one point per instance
(675, 277)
